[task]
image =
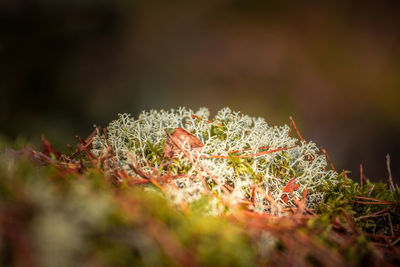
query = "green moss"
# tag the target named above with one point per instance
(343, 196)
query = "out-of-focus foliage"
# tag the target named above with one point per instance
(52, 218)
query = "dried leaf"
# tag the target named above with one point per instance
(180, 136)
(289, 188)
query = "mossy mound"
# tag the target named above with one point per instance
(233, 156)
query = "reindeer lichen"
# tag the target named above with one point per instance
(241, 157)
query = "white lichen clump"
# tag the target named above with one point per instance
(234, 165)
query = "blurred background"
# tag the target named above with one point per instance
(334, 66)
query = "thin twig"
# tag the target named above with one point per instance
(292, 123)
(373, 199)
(372, 203)
(328, 158)
(396, 241)
(375, 214)
(370, 190)
(350, 220)
(361, 175)
(390, 223)
(390, 179)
